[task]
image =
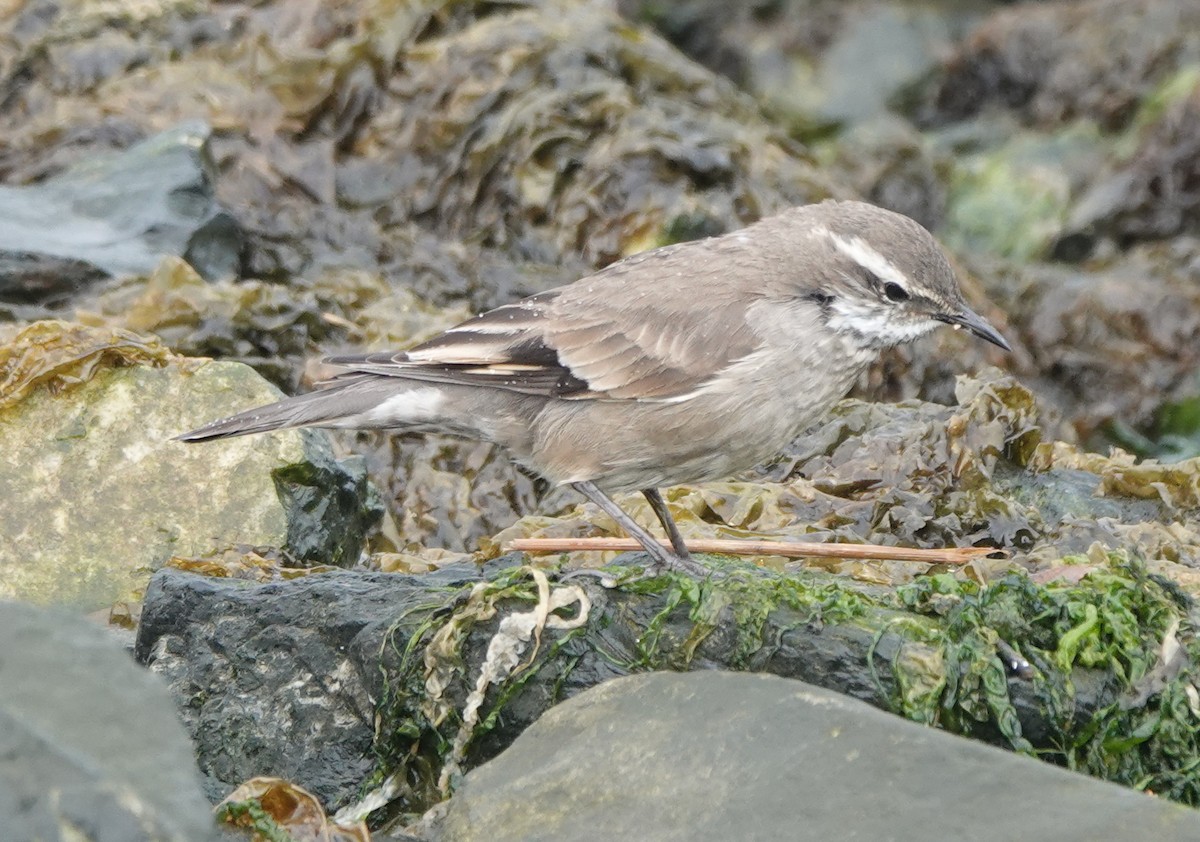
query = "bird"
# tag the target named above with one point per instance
(682, 364)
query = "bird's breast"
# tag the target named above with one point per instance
(743, 417)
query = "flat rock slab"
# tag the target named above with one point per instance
(98, 495)
(721, 756)
(117, 215)
(90, 747)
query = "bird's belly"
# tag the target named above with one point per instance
(624, 446)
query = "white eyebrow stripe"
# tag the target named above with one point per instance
(868, 258)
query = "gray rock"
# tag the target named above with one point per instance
(103, 496)
(307, 679)
(117, 215)
(721, 756)
(281, 679)
(817, 64)
(90, 747)
(878, 51)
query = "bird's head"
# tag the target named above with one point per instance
(884, 280)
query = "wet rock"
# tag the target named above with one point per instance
(363, 674)
(817, 63)
(90, 746)
(86, 421)
(27, 277)
(323, 655)
(1111, 343)
(1152, 193)
(116, 215)
(491, 122)
(281, 679)
(1055, 62)
(479, 123)
(890, 164)
(1012, 195)
(718, 756)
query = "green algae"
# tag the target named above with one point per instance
(252, 815)
(933, 647)
(415, 720)
(425, 662)
(1137, 629)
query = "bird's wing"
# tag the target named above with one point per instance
(640, 329)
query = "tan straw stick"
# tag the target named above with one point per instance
(789, 549)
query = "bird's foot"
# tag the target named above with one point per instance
(667, 562)
(679, 564)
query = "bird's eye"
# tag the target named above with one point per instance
(895, 292)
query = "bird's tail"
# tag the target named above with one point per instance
(348, 403)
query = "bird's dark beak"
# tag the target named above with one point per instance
(975, 323)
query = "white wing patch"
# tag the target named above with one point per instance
(411, 407)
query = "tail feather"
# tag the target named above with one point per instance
(276, 416)
(339, 405)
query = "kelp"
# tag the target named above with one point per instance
(56, 355)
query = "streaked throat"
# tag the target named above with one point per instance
(874, 326)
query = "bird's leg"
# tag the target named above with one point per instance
(663, 559)
(656, 501)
